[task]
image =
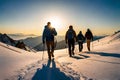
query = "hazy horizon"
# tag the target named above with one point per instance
(30, 16)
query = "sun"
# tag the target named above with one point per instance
(55, 22)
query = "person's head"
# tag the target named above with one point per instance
(70, 27)
(88, 30)
(80, 32)
(49, 24)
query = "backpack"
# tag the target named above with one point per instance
(81, 37)
(88, 35)
(70, 34)
(48, 34)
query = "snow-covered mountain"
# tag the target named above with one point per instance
(101, 63)
(16, 43)
(6, 39)
(37, 41)
(32, 41)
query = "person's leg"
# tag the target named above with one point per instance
(69, 47)
(88, 44)
(48, 49)
(52, 48)
(73, 46)
(79, 46)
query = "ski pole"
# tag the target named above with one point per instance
(43, 51)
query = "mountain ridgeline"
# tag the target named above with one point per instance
(35, 43)
(16, 43)
(60, 43)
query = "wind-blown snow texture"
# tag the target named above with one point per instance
(102, 63)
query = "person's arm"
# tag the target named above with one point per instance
(75, 36)
(66, 39)
(43, 37)
(55, 32)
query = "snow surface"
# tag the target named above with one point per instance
(102, 63)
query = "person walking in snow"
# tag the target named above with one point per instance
(48, 37)
(70, 38)
(80, 39)
(89, 38)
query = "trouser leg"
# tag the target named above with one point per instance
(79, 47)
(52, 48)
(73, 47)
(48, 49)
(88, 44)
(69, 48)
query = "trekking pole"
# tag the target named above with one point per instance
(43, 51)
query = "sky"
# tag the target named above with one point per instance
(30, 16)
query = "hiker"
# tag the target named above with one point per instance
(80, 39)
(48, 37)
(89, 38)
(70, 39)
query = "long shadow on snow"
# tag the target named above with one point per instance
(80, 56)
(105, 54)
(117, 55)
(49, 73)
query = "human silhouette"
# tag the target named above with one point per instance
(70, 38)
(89, 38)
(80, 39)
(48, 37)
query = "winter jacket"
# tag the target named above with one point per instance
(48, 34)
(73, 35)
(80, 38)
(89, 35)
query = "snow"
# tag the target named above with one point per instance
(101, 63)
(11, 61)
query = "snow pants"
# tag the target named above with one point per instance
(71, 46)
(88, 44)
(50, 48)
(80, 46)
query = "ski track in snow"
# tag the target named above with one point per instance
(59, 72)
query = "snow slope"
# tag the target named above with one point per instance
(13, 59)
(102, 63)
(16, 64)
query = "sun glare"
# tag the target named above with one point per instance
(55, 22)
